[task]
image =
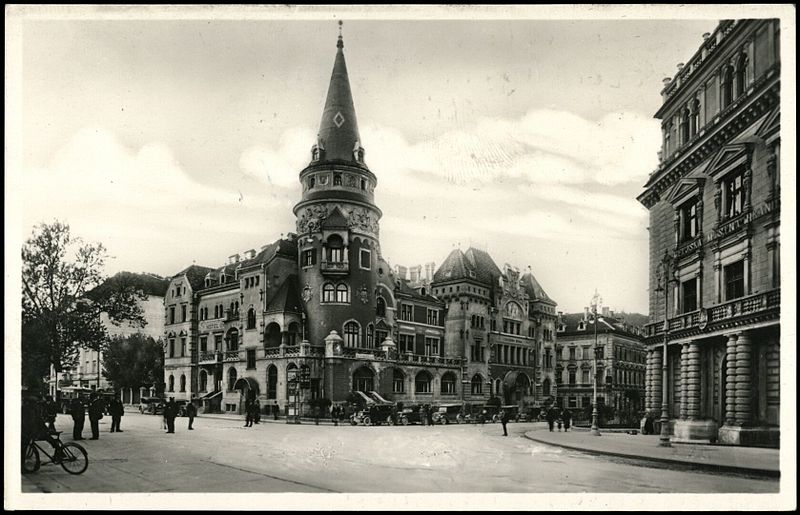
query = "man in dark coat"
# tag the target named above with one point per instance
(116, 410)
(191, 412)
(96, 409)
(551, 417)
(566, 416)
(248, 413)
(256, 411)
(504, 421)
(78, 413)
(50, 412)
(170, 412)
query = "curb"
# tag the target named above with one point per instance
(688, 464)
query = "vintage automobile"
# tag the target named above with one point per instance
(374, 414)
(448, 414)
(528, 414)
(68, 393)
(151, 405)
(512, 410)
(410, 414)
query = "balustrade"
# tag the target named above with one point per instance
(231, 355)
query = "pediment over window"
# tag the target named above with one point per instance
(728, 158)
(684, 189)
(772, 125)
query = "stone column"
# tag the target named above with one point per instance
(648, 387)
(693, 381)
(684, 381)
(743, 402)
(730, 380)
(656, 380)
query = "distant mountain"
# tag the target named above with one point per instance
(150, 284)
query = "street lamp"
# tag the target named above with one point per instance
(663, 269)
(595, 301)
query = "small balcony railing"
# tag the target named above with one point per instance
(231, 355)
(334, 267)
(209, 357)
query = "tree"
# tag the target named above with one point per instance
(59, 316)
(133, 361)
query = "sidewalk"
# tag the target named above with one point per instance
(715, 458)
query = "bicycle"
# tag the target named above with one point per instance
(73, 459)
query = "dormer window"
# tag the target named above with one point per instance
(581, 326)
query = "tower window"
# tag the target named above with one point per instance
(363, 184)
(337, 179)
(312, 182)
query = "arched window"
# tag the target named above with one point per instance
(312, 182)
(272, 382)
(328, 293)
(477, 384)
(335, 249)
(183, 383)
(337, 179)
(370, 336)
(231, 310)
(741, 74)
(726, 87)
(351, 334)
(684, 126)
(398, 381)
(251, 318)
(342, 293)
(694, 120)
(272, 335)
(364, 380)
(231, 379)
(203, 381)
(448, 384)
(422, 383)
(380, 308)
(292, 334)
(171, 384)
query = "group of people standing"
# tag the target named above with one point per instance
(171, 412)
(554, 416)
(96, 410)
(252, 409)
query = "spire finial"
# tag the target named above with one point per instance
(340, 43)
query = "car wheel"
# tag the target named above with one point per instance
(459, 419)
(367, 421)
(404, 421)
(353, 421)
(389, 421)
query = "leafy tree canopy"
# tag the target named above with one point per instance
(57, 272)
(133, 361)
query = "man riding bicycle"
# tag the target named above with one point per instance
(34, 427)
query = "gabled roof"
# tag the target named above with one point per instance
(534, 289)
(404, 288)
(287, 298)
(196, 275)
(335, 220)
(475, 264)
(282, 247)
(609, 324)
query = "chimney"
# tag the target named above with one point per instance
(233, 259)
(416, 272)
(250, 254)
(430, 268)
(605, 311)
(559, 316)
(400, 270)
(586, 313)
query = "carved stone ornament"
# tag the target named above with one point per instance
(307, 293)
(364, 295)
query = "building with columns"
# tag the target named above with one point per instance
(714, 204)
(325, 300)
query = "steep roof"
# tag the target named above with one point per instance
(287, 298)
(609, 324)
(534, 289)
(196, 275)
(283, 247)
(150, 284)
(404, 288)
(338, 129)
(475, 264)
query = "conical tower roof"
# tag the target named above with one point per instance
(338, 129)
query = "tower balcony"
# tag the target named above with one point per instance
(335, 268)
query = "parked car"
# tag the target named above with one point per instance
(181, 407)
(376, 414)
(410, 414)
(528, 415)
(512, 410)
(151, 405)
(448, 414)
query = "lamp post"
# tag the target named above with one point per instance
(595, 301)
(662, 282)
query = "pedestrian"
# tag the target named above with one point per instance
(566, 416)
(164, 415)
(248, 413)
(50, 412)
(191, 412)
(275, 410)
(170, 412)
(117, 410)
(551, 417)
(335, 415)
(504, 421)
(256, 411)
(78, 413)
(96, 409)
(559, 421)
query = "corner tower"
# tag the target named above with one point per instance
(337, 222)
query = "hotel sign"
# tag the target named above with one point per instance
(211, 325)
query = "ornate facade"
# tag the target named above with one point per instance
(714, 206)
(325, 300)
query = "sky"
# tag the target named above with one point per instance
(180, 141)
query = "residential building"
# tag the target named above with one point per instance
(714, 204)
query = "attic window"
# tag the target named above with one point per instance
(471, 273)
(562, 328)
(581, 326)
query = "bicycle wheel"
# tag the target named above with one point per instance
(75, 460)
(31, 461)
